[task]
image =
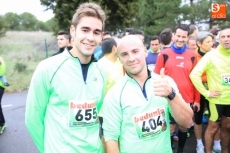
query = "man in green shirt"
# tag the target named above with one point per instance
(66, 91)
(136, 109)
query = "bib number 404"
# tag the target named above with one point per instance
(87, 115)
(151, 124)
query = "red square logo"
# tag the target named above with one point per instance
(219, 11)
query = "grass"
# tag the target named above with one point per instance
(24, 48)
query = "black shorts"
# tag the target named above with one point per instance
(101, 121)
(198, 116)
(216, 111)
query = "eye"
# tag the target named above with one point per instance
(84, 30)
(97, 33)
(123, 54)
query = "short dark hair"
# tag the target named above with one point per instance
(166, 36)
(136, 32)
(65, 33)
(183, 27)
(215, 31)
(128, 29)
(106, 33)
(155, 37)
(107, 45)
(192, 28)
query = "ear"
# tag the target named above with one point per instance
(198, 43)
(72, 31)
(146, 52)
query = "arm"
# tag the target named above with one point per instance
(36, 103)
(112, 120)
(196, 74)
(181, 112)
(196, 92)
(159, 63)
(112, 146)
(2, 67)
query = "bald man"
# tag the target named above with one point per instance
(136, 109)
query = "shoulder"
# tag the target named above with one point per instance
(166, 51)
(189, 52)
(117, 88)
(51, 64)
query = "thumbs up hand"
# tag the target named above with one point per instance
(162, 72)
(161, 86)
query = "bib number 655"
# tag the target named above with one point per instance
(88, 115)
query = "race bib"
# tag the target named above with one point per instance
(82, 113)
(150, 124)
(225, 79)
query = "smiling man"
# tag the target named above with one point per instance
(66, 91)
(178, 62)
(136, 109)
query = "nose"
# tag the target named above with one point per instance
(90, 36)
(180, 39)
(131, 58)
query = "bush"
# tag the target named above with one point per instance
(20, 67)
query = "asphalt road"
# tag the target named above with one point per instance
(16, 138)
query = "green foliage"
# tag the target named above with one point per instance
(198, 12)
(50, 24)
(155, 15)
(20, 67)
(120, 14)
(12, 20)
(2, 26)
(26, 22)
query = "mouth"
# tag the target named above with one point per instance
(89, 45)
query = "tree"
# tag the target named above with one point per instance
(12, 20)
(155, 15)
(50, 24)
(2, 26)
(199, 12)
(120, 14)
(28, 22)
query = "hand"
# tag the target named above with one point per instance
(196, 104)
(161, 86)
(214, 94)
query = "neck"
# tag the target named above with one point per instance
(141, 77)
(223, 50)
(156, 51)
(167, 45)
(111, 57)
(83, 59)
(202, 53)
(178, 50)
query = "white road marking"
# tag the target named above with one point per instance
(7, 105)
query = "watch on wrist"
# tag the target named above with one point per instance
(172, 95)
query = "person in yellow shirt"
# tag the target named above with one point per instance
(2, 88)
(216, 65)
(112, 66)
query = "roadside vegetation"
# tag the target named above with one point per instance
(22, 52)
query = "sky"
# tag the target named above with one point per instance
(20, 6)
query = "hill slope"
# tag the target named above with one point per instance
(24, 49)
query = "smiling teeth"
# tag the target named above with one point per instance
(87, 44)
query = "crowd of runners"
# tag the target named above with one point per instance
(109, 94)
